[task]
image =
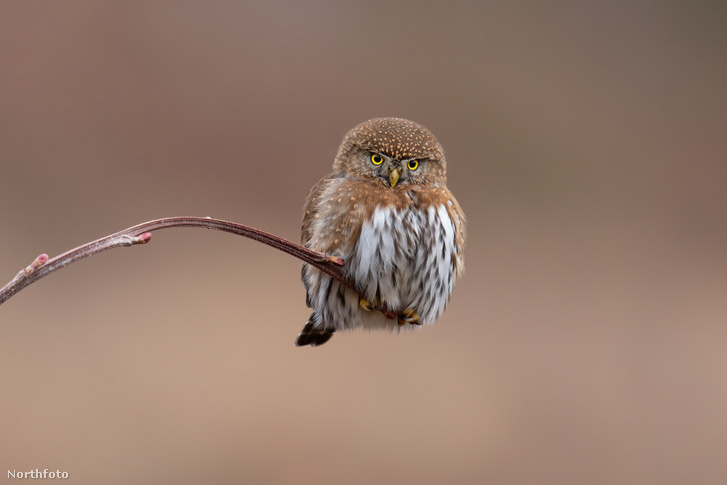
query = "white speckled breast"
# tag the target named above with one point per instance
(403, 258)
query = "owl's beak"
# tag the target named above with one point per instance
(394, 174)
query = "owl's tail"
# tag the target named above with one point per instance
(313, 335)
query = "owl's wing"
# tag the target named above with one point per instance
(311, 209)
(334, 212)
(443, 196)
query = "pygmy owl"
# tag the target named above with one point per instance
(387, 212)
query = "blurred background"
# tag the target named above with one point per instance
(586, 141)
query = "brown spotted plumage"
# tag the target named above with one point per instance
(387, 212)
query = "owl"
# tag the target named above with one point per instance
(387, 211)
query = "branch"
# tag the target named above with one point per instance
(141, 234)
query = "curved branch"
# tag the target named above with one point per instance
(141, 234)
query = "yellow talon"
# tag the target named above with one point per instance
(366, 305)
(409, 316)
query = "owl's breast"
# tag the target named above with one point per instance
(405, 257)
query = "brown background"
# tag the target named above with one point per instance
(587, 143)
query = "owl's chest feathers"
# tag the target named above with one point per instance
(345, 205)
(400, 246)
(404, 257)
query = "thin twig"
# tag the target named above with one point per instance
(141, 234)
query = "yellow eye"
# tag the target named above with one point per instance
(412, 164)
(377, 159)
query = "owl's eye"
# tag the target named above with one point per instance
(377, 159)
(412, 164)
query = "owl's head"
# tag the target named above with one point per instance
(396, 151)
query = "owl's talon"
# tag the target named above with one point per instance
(409, 316)
(375, 306)
(367, 305)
